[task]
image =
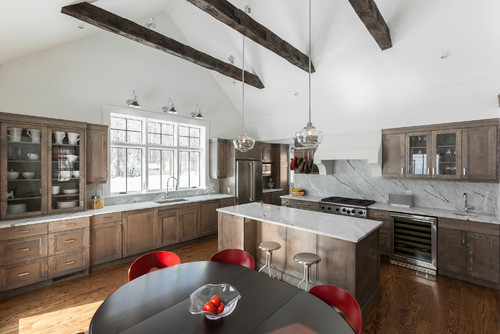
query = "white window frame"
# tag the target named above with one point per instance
(159, 117)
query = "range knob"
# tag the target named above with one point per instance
(329, 208)
(343, 210)
(322, 207)
(337, 209)
(360, 212)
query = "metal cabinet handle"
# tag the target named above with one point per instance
(463, 239)
(68, 241)
(23, 274)
(433, 171)
(402, 170)
(465, 172)
(428, 170)
(24, 231)
(69, 263)
(23, 249)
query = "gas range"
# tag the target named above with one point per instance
(345, 206)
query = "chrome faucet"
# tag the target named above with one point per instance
(466, 206)
(176, 183)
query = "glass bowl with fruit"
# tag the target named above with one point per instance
(214, 300)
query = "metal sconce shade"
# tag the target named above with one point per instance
(134, 103)
(309, 136)
(197, 113)
(244, 142)
(171, 109)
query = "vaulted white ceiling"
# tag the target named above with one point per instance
(356, 87)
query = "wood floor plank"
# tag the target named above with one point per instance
(409, 302)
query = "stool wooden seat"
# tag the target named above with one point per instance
(269, 247)
(306, 259)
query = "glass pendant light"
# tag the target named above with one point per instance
(309, 136)
(244, 142)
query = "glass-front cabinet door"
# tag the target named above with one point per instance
(418, 155)
(66, 169)
(23, 177)
(446, 153)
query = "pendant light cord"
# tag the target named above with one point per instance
(310, 52)
(243, 85)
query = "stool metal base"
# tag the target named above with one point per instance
(307, 259)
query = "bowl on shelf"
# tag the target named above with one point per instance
(72, 158)
(75, 173)
(28, 175)
(12, 175)
(65, 174)
(55, 190)
(67, 204)
(227, 293)
(16, 208)
(70, 191)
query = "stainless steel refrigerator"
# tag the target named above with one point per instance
(248, 181)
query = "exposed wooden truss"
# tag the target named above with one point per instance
(237, 19)
(108, 21)
(368, 12)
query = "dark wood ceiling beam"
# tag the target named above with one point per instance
(237, 19)
(368, 12)
(116, 24)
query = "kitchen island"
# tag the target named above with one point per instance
(348, 246)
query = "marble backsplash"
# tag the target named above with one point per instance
(352, 178)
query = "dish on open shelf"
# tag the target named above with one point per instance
(67, 204)
(70, 191)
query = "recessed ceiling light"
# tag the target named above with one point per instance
(445, 54)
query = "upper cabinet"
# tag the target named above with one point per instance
(43, 164)
(455, 151)
(219, 158)
(97, 153)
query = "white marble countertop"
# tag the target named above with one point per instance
(334, 226)
(107, 209)
(270, 190)
(440, 213)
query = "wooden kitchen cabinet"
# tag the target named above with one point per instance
(140, 231)
(384, 236)
(219, 158)
(169, 221)
(23, 255)
(105, 238)
(188, 222)
(97, 153)
(266, 153)
(393, 155)
(68, 246)
(208, 217)
(299, 204)
(469, 251)
(456, 151)
(272, 197)
(479, 149)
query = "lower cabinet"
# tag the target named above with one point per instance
(188, 222)
(384, 236)
(140, 231)
(299, 204)
(469, 251)
(68, 246)
(208, 217)
(105, 238)
(272, 197)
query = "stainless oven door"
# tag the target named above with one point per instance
(414, 240)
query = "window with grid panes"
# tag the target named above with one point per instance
(145, 153)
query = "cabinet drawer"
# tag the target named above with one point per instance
(304, 205)
(66, 241)
(285, 201)
(226, 202)
(23, 231)
(18, 275)
(65, 225)
(68, 262)
(179, 207)
(107, 218)
(20, 250)
(378, 214)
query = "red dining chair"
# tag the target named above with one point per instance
(236, 256)
(342, 302)
(150, 262)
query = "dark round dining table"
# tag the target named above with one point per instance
(158, 303)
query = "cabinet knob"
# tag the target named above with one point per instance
(402, 170)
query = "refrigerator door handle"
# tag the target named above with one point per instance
(252, 180)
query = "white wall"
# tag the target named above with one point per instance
(75, 80)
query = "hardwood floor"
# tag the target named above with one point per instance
(409, 302)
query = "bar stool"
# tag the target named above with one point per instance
(307, 259)
(269, 247)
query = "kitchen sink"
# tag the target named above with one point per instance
(465, 214)
(171, 200)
